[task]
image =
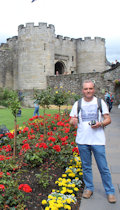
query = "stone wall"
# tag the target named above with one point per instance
(103, 82)
(6, 67)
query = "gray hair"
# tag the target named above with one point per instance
(88, 81)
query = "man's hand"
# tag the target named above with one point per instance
(106, 121)
(74, 121)
(97, 125)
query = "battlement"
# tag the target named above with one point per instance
(59, 37)
(14, 38)
(40, 25)
(86, 39)
(90, 39)
(4, 46)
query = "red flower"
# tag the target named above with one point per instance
(57, 148)
(8, 174)
(75, 149)
(53, 122)
(2, 157)
(44, 145)
(25, 129)
(60, 123)
(26, 146)
(25, 187)
(63, 139)
(64, 143)
(67, 130)
(51, 139)
(24, 141)
(10, 135)
(32, 131)
(2, 187)
(8, 148)
(1, 174)
(50, 133)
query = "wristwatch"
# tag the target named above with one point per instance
(102, 125)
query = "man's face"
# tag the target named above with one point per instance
(88, 91)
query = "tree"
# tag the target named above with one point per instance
(44, 98)
(60, 97)
(14, 105)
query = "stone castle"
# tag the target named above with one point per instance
(27, 59)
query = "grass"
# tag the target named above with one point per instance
(7, 119)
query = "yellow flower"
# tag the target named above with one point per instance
(56, 92)
(71, 174)
(64, 175)
(47, 208)
(70, 191)
(60, 205)
(68, 200)
(50, 197)
(67, 207)
(59, 198)
(76, 189)
(73, 185)
(53, 190)
(44, 202)
(60, 179)
(61, 86)
(56, 182)
(81, 173)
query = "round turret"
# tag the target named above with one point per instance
(35, 55)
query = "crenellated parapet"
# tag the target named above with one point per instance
(32, 27)
(89, 39)
(4, 46)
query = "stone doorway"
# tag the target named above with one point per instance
(59, 68)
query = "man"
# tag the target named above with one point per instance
(108, 101)
(91, 139)
(36, 110)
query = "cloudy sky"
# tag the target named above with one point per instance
(73, 18)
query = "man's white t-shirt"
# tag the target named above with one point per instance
(88, 112)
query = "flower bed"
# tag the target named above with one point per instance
(45, 151)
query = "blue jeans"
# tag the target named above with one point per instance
(36, 111)
(100, 157)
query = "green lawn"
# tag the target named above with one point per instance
(7, 118)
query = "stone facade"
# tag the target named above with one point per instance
(26, 60)
(103, 82)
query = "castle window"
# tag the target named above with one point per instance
(72, 58)
(44, 46)
(44, 68)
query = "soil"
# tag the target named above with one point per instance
(38, 192)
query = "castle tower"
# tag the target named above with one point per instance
(91, 55)
(35, 55)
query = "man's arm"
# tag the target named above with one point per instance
(74, 121)
(106, 121)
